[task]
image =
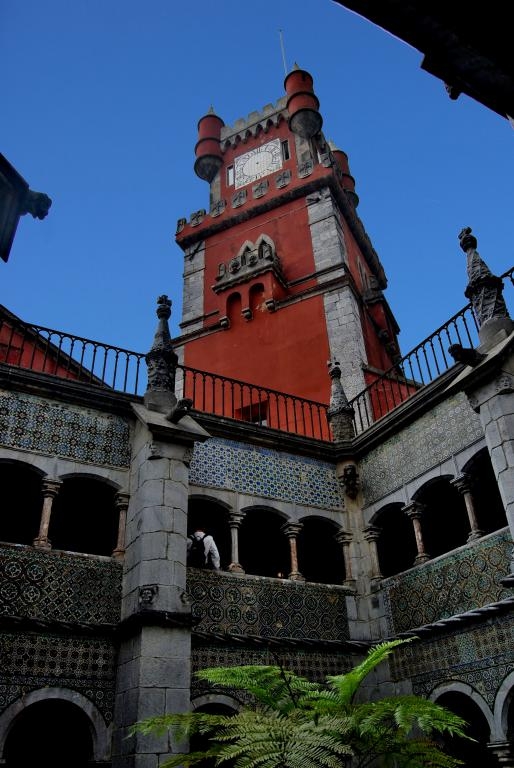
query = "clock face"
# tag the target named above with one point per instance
(257, 163)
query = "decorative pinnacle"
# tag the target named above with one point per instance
(340, 413)
(467, 240)
(163, 307)
(161, 362)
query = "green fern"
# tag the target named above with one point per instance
(294, 723)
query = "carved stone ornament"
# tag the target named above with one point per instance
(147, 594)
(37, 204)
(239, 198)
(305, 169)
(197, 217)
(161, 360)
(340, 413)
(260, 189)
(253, 259)
(217, 208)
(350, 481)
(484, 289)
(283, 179)
(181, 223)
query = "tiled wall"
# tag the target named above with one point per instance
(431, 439)
(34, 424)
(265, 472)
(454, 583)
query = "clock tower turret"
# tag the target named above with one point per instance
(279, 273)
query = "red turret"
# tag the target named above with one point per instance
(347, 180)
(302, 104)
(207, 149)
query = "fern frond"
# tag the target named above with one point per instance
(271, 686)
(347, 685)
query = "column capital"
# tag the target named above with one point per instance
(463, 483)
(372, 532)
(414, 509)
(343, 537)
(121, 500)
(291, 530)
(50, 488)
(236, 518)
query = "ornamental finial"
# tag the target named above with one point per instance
(161, 362)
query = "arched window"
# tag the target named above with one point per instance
(484, 490)
(22, 502)
(51, 732)
(444, 521)
(212, 517)
(474, 754)
(256, 299)
(396, 544)
(84, 517)
(234, 308)
(320, 556)
(263, 546)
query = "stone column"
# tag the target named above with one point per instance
(345, 539)
(463, 485)
(504, 753)
(414, 510)
(121, 500)
(234, 520)
(50, 490)
(292, 530)
(371, 534)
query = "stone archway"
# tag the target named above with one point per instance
(474, 754)
(54, 726)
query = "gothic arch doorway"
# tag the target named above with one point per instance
(50, 732)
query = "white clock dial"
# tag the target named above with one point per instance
(257, 163)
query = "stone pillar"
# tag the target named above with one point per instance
(234, 520)
(154, 665)
(414, 510)
(371, 534)
(504, 753)
(154, 661)
(463, 485)
(50, 490)
(121, 500)
(345, 539)
(292, 530)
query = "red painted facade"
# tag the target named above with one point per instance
(266, 322)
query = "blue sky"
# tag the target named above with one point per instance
(101, 102)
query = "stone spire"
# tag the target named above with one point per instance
(484, 290)
(340, 413)
(161, 362)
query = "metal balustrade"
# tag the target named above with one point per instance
(61, 354)
(419, 367)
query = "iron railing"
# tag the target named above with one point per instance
(61, 354)
(418, 368)
(261, 406)
(72, 357)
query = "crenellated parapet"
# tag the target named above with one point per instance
(256, 122)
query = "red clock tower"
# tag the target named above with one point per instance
(279, 273)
